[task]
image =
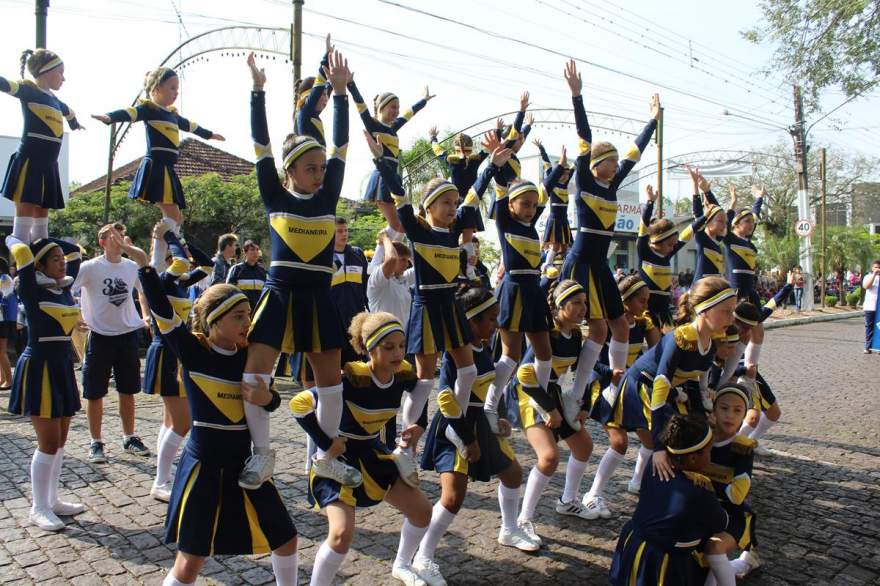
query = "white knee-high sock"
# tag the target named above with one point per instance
(721, 569)
(764, 424)
(329, 411)
(285, 567)
(165, 455)
(508, 502)
(574, 471)
(753, 353)
(257, 417)
(586, 361)
(641, 463)
(543, 369)
(464, 381)
(534, 488)
(21, 228)
(611, 459)
(441, 519)
(503, 371)
(163, 429)
(170, 580)
(617, 354)
(410, 537)
(327, 563)
(41, 478)
(40, 228)
(551, 254)
(54, 484)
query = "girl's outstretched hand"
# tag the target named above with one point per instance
(102, 117)
(563, 157)
(524, 101)
(375, 147)
(655, 106)
(490, 142)
(573, 78)
(530, 119)
(428, 96)
(500, 156)
(537, 142)
(258, 75)
(338, 74)
(432, 132)
(652, 195)
(219, 137)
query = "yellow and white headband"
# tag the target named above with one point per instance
(301, 149)
(226, 306)
(664, 235)
(52, 64)
(521, 189)
(632, 289)
(598, 159)
(742, 215)
(435, 193)
(694, 448)
(563, 295)
(482, 307)
(748, 322)
(379, 333)
(384, 100)
(714, 300)
(734, 390)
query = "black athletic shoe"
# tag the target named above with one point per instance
(134, 445)
(96, 453)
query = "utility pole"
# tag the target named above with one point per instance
(798, 135)
(109, 180)
(296, 30)
(659, 136)
(822, 171)
(41, 10)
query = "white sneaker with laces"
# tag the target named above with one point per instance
(407, 575)
(337, 470)
(46, 520)
(763, 451)
(633, 487)
(68, 509)
(517, 538)
(529, 529)
(455, 439)
(571, 408)
(575, 509)
(429, 571)
(258, 469)
(406, 466)
(597, 504)
(162, 492)
(751, 560)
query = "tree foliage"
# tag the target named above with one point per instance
(823, 43)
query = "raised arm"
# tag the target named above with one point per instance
(267, 176)
(370, 123)
(331, 189)
(407, 116)
(634, 153)
(191, 127)
(309, 108)
(389, 173)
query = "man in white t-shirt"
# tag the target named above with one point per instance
(871, 284)
(391, 279)
(108, 308)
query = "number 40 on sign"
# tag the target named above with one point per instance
(803, 228)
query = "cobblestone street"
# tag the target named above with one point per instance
(817, 499)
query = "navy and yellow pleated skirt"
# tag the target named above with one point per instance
(209, 514)
(529, 416)
(630, 409)
(436, 323)
(603, 296)
(741, 524)
(441, 455)
(44, 384)
(376, 464)
(376, 189)
(522, 306)
(296, 319)
(764, 396)
(35, 180)
(557, 229)
(161, 372)
(638, 562)
(156, 181)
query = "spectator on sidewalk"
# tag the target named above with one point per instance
(870, 284)
(227, 252)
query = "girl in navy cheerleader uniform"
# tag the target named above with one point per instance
(710, 228)
(546, 413)
(161, 377)
(312, 95)
(460, 446)
(678, 519)
(437, 322)
(604, 393)
(730, 470)
(513, 137)
(156, 180)
(44, 387)
(209, 513)
(295, 312)
(557, 231)
(32, 179)
(600, 171)
(383, 124)
(372, 392)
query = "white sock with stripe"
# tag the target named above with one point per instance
(285, 569)
(329, 411)
(163, 429)
(535, 486)
(617, 354)
(764, 424)
(441, 519)
(21, 228)
(257, 417)
(327, 563)
(165, 456)
(503, 371)
(41, 478)
(508, 502)
(587, 358)
(40, 228)
(410, 538)
(611, 459)
(641, 463)
(574, 472)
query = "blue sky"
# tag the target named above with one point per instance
(690, 52)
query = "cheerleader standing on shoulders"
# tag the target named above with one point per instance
(557, 231)
(711, 228)
(383, 125)
(160, 368)
(156, 180)
(514, 137)
(209, 513)
(295, 312)
(657, 243)
(461, 446)
(32, 180)
(44, 386)
(544, 414)
(372, 392)
(676, 515)
(312, 95)
(599, 175)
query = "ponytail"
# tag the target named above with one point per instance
(25, 56)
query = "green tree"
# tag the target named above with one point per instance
(823, 43)
(848, 248)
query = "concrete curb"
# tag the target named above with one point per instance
(797, 321)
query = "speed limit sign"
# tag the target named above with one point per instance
(803, 228)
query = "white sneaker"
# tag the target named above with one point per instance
(751, 560)
(162, 492)
(633, 487)
(406, 466)
(571, 408)
(575, 509)
(429, 571)
(407, 575)
(68, 509)
(529, 529)
(258, 469)
(456, 440)
(46, 520)
(517, 538)
(597, 504)
(761, 450)
(337, 470)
